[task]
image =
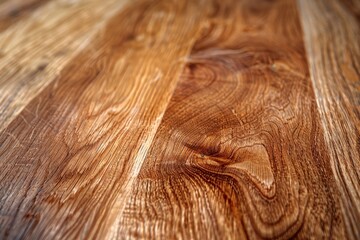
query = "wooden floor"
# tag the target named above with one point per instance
(169, 119)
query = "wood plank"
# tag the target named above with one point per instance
(257, 140)
(332, 39)
(36, 48)
(70, 157)
(240, 152)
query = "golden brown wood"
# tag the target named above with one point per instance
(240, 152)
(36, 48)
(168, 119)
(332, 37)
(69, 158)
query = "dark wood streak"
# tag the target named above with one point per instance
(12, 11)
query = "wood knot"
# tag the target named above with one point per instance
(253, 160)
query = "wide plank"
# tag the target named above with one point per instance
(332, 39)
(240, 152)
(69, 158)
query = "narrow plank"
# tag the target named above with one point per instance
(69, 159)
(332, 39)
(240, 152)
(35, 49)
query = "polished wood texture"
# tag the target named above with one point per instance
(334, 63)
(179, 119)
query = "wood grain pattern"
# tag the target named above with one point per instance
(240, 152)
(12, 11)
(76, 147)
(35, 49)
(334, 59)
(168, 119)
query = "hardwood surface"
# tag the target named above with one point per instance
(167, 119)
(334, 63)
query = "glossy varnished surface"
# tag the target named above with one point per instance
(179, 119)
